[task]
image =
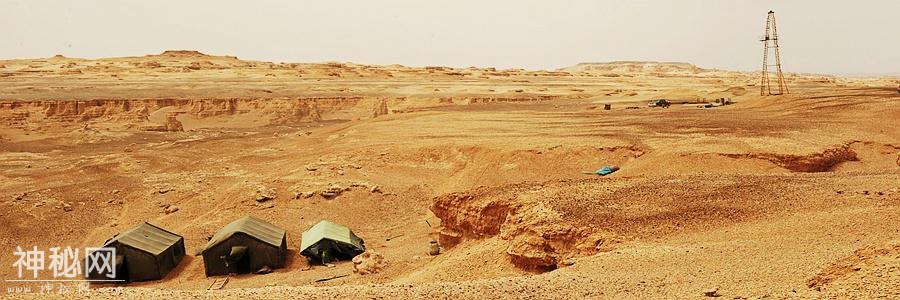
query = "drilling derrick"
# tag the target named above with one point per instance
(770, 41)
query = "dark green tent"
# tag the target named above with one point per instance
(143, 253)
(327, 241)
(246, 245)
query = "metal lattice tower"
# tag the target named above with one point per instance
(770, 41)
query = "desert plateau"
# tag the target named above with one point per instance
(788, 196)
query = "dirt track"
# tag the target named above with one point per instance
(788, 196)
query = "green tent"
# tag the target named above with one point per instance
(327, 241)
(245, 245)
(145, 252)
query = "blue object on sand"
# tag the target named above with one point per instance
(606, 170)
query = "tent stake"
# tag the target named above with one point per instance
(331, 278)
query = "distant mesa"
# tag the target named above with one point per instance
(635, 67)
(183, 53)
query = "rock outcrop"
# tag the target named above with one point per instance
(380, 109)
(538, 237)
(369, 262)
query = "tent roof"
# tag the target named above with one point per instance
(147, 237)
(328, 230)
(252, 226)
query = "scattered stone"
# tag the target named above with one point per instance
(171, 209)
(264, 194)
(369, 262)
(713, 292)
(331, 191)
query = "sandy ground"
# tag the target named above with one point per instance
(791, 196)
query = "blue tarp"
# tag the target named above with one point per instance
(606, 170)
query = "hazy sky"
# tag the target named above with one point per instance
(825, 36)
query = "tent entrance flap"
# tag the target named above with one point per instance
(236, 254)
(327, 251)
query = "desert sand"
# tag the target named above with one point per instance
(790, 196)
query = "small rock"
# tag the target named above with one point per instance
(312, 167)
(164, 190)
(375, 189)
(264, 194)
(21, 196)
(332, 191)
(67, 207)
(264, 270)
(307, 194)
(567, 262)
(369, 262)
(171, 209)
(713, 292)
(114, 192)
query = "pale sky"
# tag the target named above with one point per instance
(825, 36)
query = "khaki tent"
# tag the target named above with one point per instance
(143, 253)
(246, 245)
(327, 241)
